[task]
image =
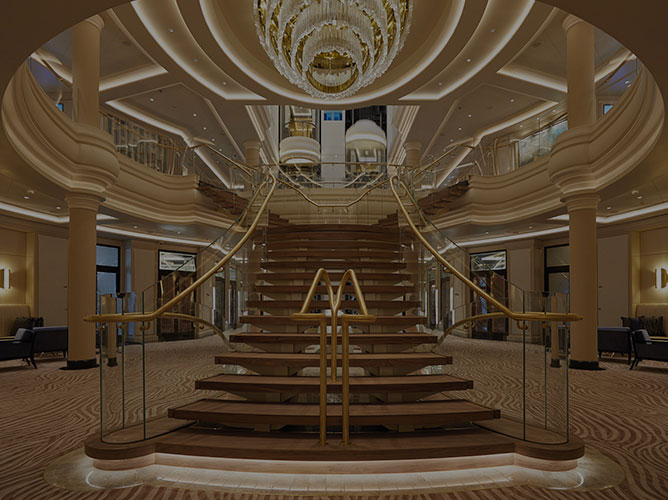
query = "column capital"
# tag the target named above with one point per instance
(83, 200)
(584, 201)
(252, 145)
(413, 146)
(571, 21)
(95, 21)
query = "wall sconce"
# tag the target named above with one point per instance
(4, 279)
(661, 278)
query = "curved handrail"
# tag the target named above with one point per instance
(197, 319)
(515, 316)
(469, 319)
(145, 317)
(346, 320)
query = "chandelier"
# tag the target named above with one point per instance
(332, 48)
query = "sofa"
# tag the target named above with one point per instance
(50, 339)
(18, 347)
(615, 339)
(648, 348)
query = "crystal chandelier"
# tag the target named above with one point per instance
(332, 48)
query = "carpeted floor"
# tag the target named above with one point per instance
(48, 412)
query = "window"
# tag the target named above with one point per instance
(557, 269)
(173, 261)
(108, 267)
(607, 107)
(488, 271)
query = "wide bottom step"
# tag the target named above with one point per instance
(423, 413)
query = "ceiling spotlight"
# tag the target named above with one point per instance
(224, 83)
(470, 115)
(440, 84)
(194, 114)
(171, 30)
(639, 197)
(196, 60)
(486, 232)
(493, 30)
(530, 227)
(521, 125)
(203, 128)
(554, 110)
(628, 82)
(59, 207)
(220, 149)
(452, 140)
(213, 139)
(608, 208)
(512, 99)
(459, 129)
(135, 227)
(468, 59)
(26, 197)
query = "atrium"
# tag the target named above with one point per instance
(334, 249)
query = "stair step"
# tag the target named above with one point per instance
(300, 228)
(399, 321)
(431, 413)
(429, 384)
(299, 360)
(332, 264)
(324, 304)
(354, 244)
(334, 276)
(355, 338)
(366, 289)
(335, 236)
(334, 253)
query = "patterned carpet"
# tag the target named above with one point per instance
(48, 412)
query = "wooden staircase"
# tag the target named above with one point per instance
(271, 384)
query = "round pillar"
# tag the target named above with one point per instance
(580, 71)
(81, 280)
(252, 152)
(583, 250)
(86, 70)
(412, 149)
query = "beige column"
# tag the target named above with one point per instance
(252, 152)
(81, 280)
(583, 253)
(580, 71)
(412, 149)
(86, 70)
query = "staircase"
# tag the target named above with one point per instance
(397, 389)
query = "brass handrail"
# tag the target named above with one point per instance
(197, 319)
(515, 316)
(145, 317)
(470, 319)
(346, 320)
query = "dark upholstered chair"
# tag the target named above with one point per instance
(615, 339)
(50, 339)
(647, 348)
(19, 347)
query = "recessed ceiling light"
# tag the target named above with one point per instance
(440, 84)
(512, 100)
(628, 82)
(635, 191)
(171, 30)
(224, 83)
(470, 115)
(445, 149)
(203, 128)
(639, 197)
(530, 227)
(135, 227)
(26, 197)
(220, 149)
(521, 125)
(194, 114)
(468, 59)
(30, 191)
(608, 208)
(178, 232)
(213, 139)
(492, 30)
(486, 232)
(452, 140)
(459, 129)
(554, 110)
(196, 60)
(151, 99)
(59, 208)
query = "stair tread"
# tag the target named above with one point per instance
(335, 276)
(313, 359)
(399, 289)
(371, 338)
(329, 264)
(380, 319)
(245, 412)
(263, 383)
(324, 304)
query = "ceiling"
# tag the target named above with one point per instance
(474, 69)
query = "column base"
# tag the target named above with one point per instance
(584, 365)
(555, 363)
(81, 364)
(111, 362)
